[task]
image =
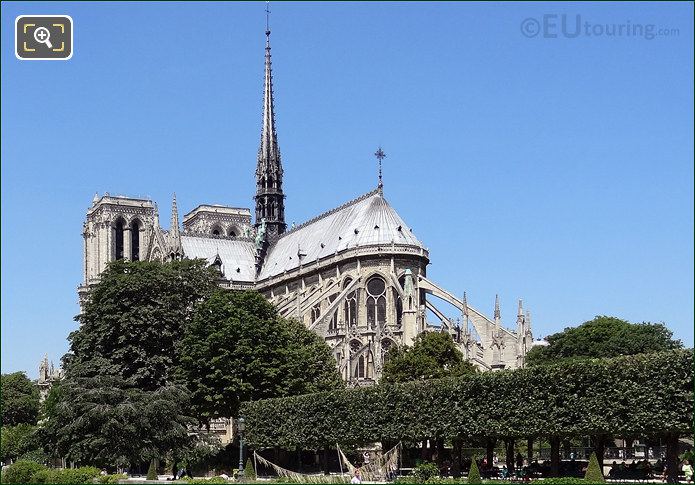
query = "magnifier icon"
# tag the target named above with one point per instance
(42, 35)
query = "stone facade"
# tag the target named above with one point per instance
(48, 374)
(356, 275)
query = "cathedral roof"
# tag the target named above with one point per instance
(237, 255)
(367, 220)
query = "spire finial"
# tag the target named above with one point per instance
(521, 308)
(267, 19)
(380, 155)
(497, 309)
(175, 246)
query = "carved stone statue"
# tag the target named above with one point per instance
(260, 236)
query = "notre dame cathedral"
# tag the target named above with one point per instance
(356, 275)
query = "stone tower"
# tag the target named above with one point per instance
(270, 201)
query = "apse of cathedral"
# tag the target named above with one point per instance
(356, 275)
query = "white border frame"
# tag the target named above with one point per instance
(72, 43)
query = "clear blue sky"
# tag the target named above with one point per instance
(557, 170)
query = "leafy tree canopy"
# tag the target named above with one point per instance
(134, 317)
(19, 399)
(236, 348)
(604, 337)
(105, 421)
(433, 355)
(118, 402)
(17, 440)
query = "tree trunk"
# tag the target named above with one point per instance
(566, 448)
(456, 458)
(672, 458)
(440, 452)
(599, 448)
(423, 450)
(325, 461)
(554, 456)
(299, 460)
(490, 450)
(529, 445)
(509, 454)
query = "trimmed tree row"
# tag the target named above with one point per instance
(641, 395)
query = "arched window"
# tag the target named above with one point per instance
(376, 301)
(120, 226)
(333, 322)
(232, 232)
(315, 313)
(135, 241)
(360, 367)
(350, 305)
(399, 308)
(386, 345)
(216, 230)
(270, 182)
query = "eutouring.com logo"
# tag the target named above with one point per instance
(553, 26)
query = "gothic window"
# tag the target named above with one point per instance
(333, 322)
(216, 230)
(386, 345)
(350, 305)
(119, 238)
(360, 367)
(135, 241)
(399, 308)
(376, 301)
(270, 182)
(315, 313)
(232, 232)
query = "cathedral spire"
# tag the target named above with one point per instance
(270, 201)
(175, 247)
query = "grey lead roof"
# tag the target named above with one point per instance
(238, 255)
(364, 221)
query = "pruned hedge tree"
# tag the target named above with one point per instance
(648, 394)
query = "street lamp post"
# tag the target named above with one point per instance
(241, 449)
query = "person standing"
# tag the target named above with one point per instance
(687, 471)
(356, 478)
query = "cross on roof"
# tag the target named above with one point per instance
(380, 155)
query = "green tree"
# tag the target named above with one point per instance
(17, 440)
(433, 355)
(249, 470)
(107, 422)
(119, 402)
(604, 337)
(19, 399)
(152, 471)
(593, 471)
(134, 318)
(236, 348)
(474, 473)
